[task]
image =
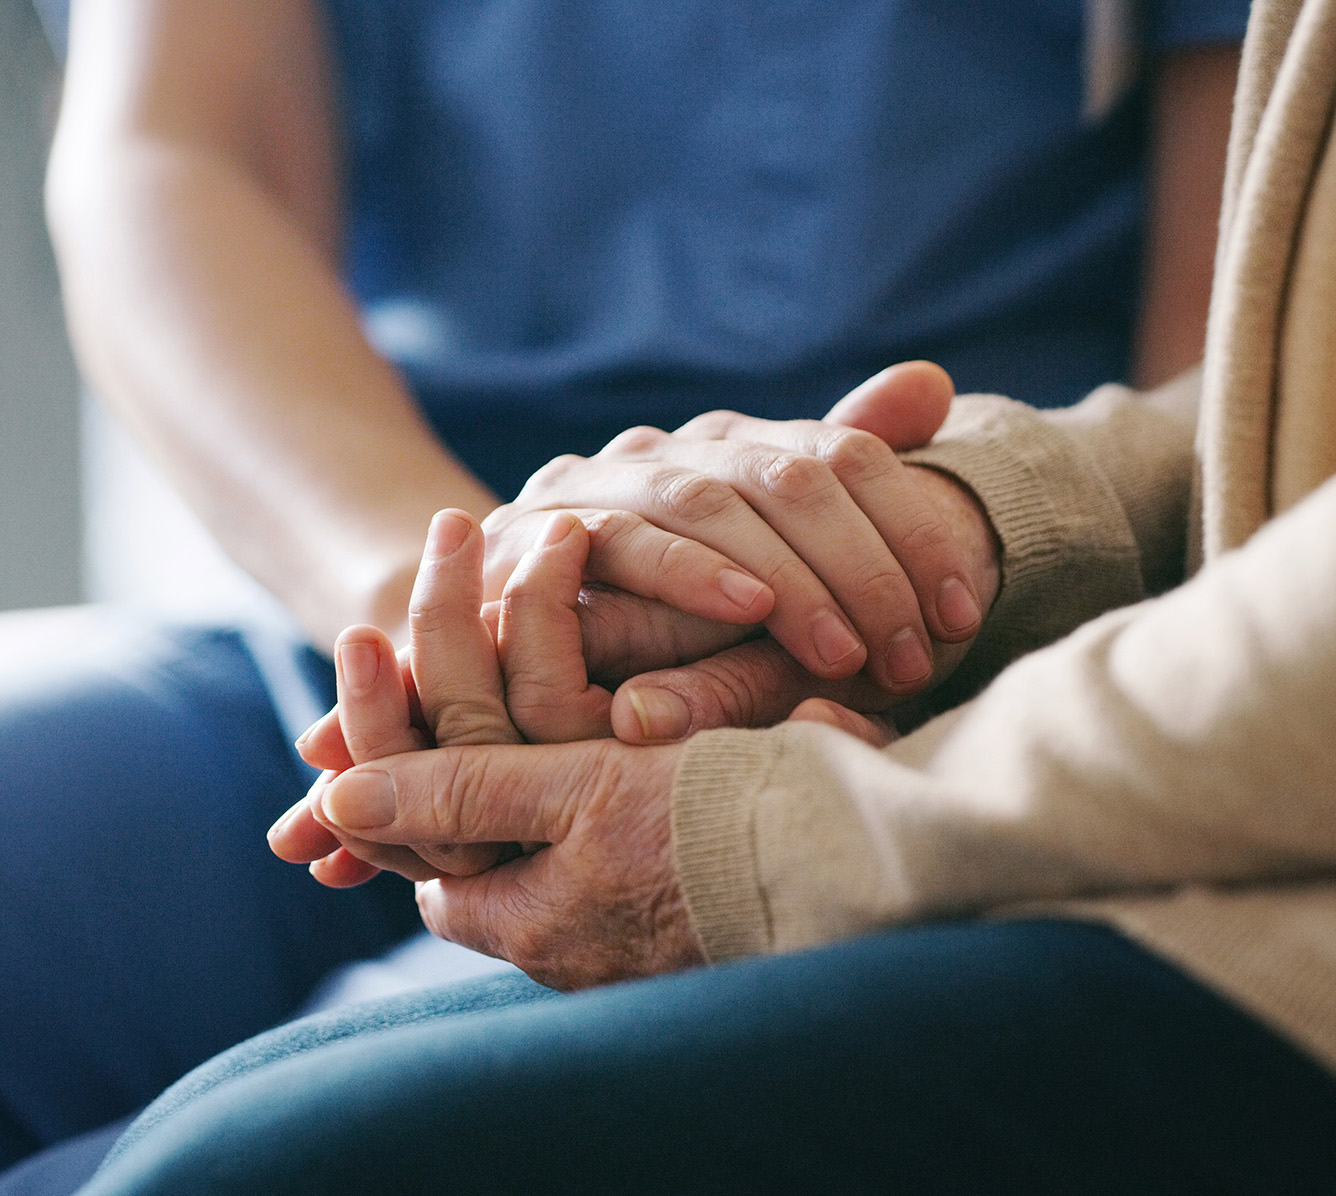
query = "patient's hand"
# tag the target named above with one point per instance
(448, 689)
(860, 562)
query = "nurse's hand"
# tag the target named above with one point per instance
(758, 683)
(858, 560)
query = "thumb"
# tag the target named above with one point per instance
(904, 405)
(756, 684)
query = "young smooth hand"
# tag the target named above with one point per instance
(861, 566)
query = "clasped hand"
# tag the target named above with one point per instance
(560, 857)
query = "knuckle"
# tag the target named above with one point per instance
(869, 583)
(853, 453)
(537, 705)
(924, 532)
(439, 800)
(675, 553)
(711, 425)
(788, 575)
(794, 478)
(526, 945)
(370, 743)
(724, 696)
(695, 498)
(429, 610)
(609, 530)
(634, 442)
(471, 721)
(605, 617)
(427, 619)
(549, 475)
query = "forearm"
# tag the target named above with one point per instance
(194, 201)
(1184, 740)
(220, 333)
(1193, 102)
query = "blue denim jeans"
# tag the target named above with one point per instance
(144, 924)
(1037, 1057)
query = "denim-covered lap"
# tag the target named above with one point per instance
(146, 925)
(1023, 1057)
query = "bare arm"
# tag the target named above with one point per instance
(194, 201)
(1194, 99)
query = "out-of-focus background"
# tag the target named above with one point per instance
(83, 515)
(40, 516)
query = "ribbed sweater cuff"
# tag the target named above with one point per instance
(714, 811)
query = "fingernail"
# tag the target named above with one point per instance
(956, 606)
(662, 714)
(360, 665)
(304, 736)
(283, 820)
(446, 534)
(739, 589)
(558, 528)
(834, 641)
(907, 660)
(360, 801)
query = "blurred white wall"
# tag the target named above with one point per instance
(143, 545)
(83, 515)
(39, 408)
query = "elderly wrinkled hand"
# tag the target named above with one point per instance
(449, 688)
(596, 898)
(558, 858)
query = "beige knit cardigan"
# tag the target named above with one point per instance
(1166, 764)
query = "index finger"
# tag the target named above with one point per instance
(474, 794)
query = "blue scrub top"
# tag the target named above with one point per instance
(569, 216)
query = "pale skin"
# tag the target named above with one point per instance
(556, 856)
(572, 875)
(199, 140)
(548, 692)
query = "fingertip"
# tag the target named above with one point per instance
(933, 381)
(626, 723)
(358, 633)
(322, 746)
(342, 870)
(908, 662)
(958, 610)
(358, 666)
(833, 714)
(753, 598)
(554, 565)
(557, 528)
(277, 832)
(839, 650)
(361, 653)
(447, 532)
(298, 837)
